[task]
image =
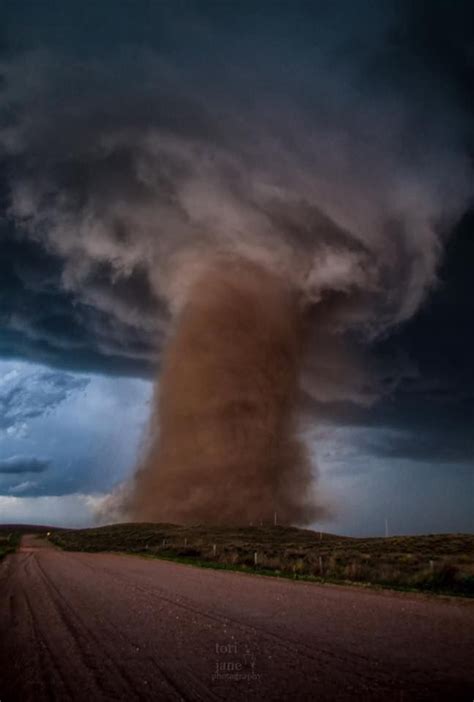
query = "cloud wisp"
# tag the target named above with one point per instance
(23, 464)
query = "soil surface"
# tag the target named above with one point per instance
(80, 626)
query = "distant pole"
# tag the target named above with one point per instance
(274, 518)
(386, 527)
(255, 558)
(214, 548)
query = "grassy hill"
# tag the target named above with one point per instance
(25, 528)
(434, 562)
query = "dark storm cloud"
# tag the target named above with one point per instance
(439, 446)
(26, 395)
(23, 464)
(425, 368)
(42, 322)
(420, 422)
(51, 478)
(433, 411)
(329, 141)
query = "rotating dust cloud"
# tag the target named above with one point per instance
(224, 445)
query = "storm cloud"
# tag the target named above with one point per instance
(23, 464)
(43, 322)
(26, 394)
(128, 186)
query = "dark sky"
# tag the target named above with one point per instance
(133, 133)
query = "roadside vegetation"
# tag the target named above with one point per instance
(439, 563)
(9, 541)
(10, 536)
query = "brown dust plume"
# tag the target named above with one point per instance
(223, 446)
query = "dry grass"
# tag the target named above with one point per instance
(10, 535)
(435, 562)
(9, 541)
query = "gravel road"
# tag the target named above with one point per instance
(92, 627)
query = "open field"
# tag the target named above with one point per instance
(440, 563)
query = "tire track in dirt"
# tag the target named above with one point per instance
(105, 627)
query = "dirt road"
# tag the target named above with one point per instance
(78, 626)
